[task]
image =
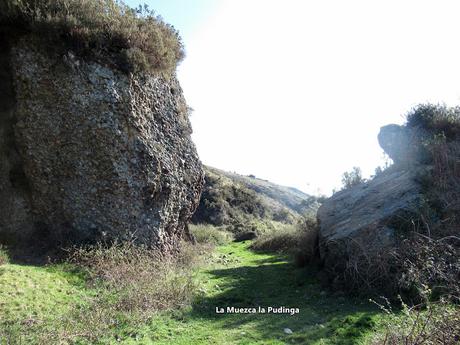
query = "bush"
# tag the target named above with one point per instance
(300, 240)
(418, 261)
(436, 324)
(282, 239)
(107, 31)
(143, 279)
(209, 234)
(434, 254)
(352, 178)
(435, 119)
(132, 283)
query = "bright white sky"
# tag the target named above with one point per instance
(295, 91)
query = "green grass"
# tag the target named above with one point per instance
(240, 277)
(232, 276)
(35, 298)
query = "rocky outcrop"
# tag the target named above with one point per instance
(367, 217)
(88, 152)
(402, 144)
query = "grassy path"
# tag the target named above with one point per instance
(238, 277)
(234, 276)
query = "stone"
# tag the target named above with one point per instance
(87, 150)
(402, 144)
(367, 216)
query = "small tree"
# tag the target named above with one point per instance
(352, 178)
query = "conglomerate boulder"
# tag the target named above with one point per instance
(88, 152)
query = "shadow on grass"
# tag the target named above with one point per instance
(277, 283)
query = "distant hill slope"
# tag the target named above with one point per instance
(290, 197)
(230, 199)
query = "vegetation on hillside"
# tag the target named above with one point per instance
(275, 195)
(352, 178)
(428, 250)
(423, 269)
(237, 204)
(435, 254)
(223, 202)
(436, 119)
(107, 31)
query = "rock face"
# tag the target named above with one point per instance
(367, 217)
(88, 152)
(401, 144)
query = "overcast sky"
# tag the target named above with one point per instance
(295, 91)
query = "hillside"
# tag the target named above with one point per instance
(230, 198)
(289, 197)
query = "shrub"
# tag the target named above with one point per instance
(299, 240)
(107, 31)
(258, 226)
(429, 262)
(435, 119)
(434, 254)
(407, 269)
(436, 324)
(352, 178)
(282, 239)
(135, 278)
(209, 234)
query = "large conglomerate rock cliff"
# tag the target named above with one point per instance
(88, 152)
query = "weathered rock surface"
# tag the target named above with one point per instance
(402, 144)
(367, 217)
(88, 152)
